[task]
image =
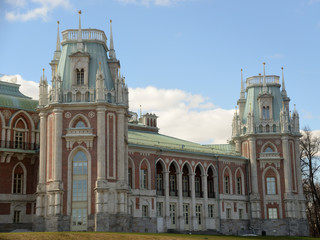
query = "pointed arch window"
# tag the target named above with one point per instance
(210, 181)
(172, 180)
(159, 179)
(144, 176)
(185, 182)
(80, 76)
(197, 181)
(18, 177)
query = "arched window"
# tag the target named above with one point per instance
(267, 128)
(159, 179)
(78, 97)
(271, 182)
(274, 128)
(80, 76)
(19, 134)
(144, 176)
(268, 150)
(198, 182)
(185, 181)
(239, 179)
(226, 182)
(266, 112)
(80, 124)
(210, 181)
(79, 192)
(18, 177)
(172, 180)
(260, 128)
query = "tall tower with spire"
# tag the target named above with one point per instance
(268, 135)
(83, 121)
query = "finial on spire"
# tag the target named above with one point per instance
(43, 72)
(112, 53)
(58, 49)
(79, 44)
(283, 85)
(242, 94)
(264, 88)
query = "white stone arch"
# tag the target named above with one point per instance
(72, 154)
(162, 164)
(27, 116)
(186, 163)
(79, 116)
(24, 180)
(133, 171)
(149, 172)
(176, 165)
(266, 145)
(230, 180)
(202, 169)
(278, 190)
(3, 125)
(215, 178)
(242, 180)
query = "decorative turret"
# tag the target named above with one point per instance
(121, 90)
(242, 100)
(295, 121)
(56, 88)
(43, 90)
(57, 53)
(284, 119)
(114, 63)
(250, 121)
(236, 124)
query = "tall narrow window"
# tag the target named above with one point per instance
(80, 77)
(18, 140)
(79, 192)
(172, 180)
(172, 211)
(17, 216)
(186, 213)
(210, 184)
(211, 211)
(239, 187)
(159, 209)
(240, 213)
(143, 178)
(145, 211)
(159, 179)
(185, 181)
(226, 184)
(130, 177)
(266, 112)
(18, 180)
(228, 213)
(199, 214)
(271, 185)
(197, 182)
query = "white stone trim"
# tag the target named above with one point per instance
(113, 146)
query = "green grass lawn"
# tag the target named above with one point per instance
(125, 236)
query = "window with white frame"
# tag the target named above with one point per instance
(271, 185)
(226, 184)
(211, 211)
(172, 211)
(239, 185)
(172, 184)
(186, 213)
(240, 213)
(228, 213)
(199, 213)
(18, 144)
(159, 209)
(143, 178)
(273, 213)
(80, 76)
(145, 211)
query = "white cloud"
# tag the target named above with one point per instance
(23, 12)
(276, 56)
(28, 88)
(184, 115)
(148, 3)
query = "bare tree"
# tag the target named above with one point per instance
(309, 149)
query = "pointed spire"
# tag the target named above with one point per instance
(264, 88)
(43, 77)
(58, 39)
(242, 93)
(79, 44)
(112, 53)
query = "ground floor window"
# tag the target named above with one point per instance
(240, 213)
(159, 209)
(145, 211)
(186, 213)
(172, 210)
(273, 213)
(79, 219)
(211, 211)
(17, 216)
(228, 213)
(198, 213)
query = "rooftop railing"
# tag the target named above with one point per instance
(256, 80)
(71, 35)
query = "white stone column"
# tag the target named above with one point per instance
(193, 224)
(57, 147)
(180, 202)
(166, 194)
(287, 165)
(43, 149)
(205, 199)
(298, 166)
(121, 147)
(101, 146)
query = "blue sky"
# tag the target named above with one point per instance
(194, 47)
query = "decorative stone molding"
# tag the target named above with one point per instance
(67, 115)
(79, 135)
(7, 114)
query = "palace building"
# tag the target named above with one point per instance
(79, 160)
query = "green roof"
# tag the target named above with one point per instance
(11, 97)
(160, 141)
